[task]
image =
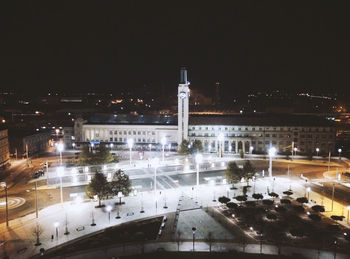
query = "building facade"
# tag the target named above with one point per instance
(25, 142)
(228, 133)
(257, 133)
(4, 148)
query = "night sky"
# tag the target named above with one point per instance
(117, 45)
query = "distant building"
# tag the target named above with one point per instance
(257, 132)
(239, 132)
(31, 141)
(4, 148)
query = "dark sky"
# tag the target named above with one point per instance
(113, 45)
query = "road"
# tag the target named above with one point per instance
(143, 180)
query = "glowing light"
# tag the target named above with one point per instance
(60, 147)
(163, 141)
(130, 142)
(221, 137)
(199, 158)
(272, 151)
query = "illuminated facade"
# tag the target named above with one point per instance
(239, 132)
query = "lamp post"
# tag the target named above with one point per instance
(163, 142)
(155, 163)
(4, 185)
(295, 151)
(272, 153)
(111, 145)
(251, 148)
(73, 145)
(308, 189)
(130, 145)
(199, 159)
(60, 148)
(109, 209)
(56, 225)
(317, 151)
(194, 235)
(348, 209)
(339, 152)
(60, 174)
(220, 140)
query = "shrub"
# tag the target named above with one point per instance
(258, 196)
(241, 198)
(231, 205)
(339, 218)
(302, 200)
(224, 199)
(318, 208)
(285, 201)
(315, 217)
(288, 193)
(273, 194)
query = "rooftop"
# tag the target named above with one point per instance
(260, 120)
(132, 119)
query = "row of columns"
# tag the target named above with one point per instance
(216, 145)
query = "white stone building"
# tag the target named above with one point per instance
(230, 133)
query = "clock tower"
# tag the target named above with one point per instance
(183, 96)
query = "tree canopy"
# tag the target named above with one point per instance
(120, 183)
(102, 155)
(98, 186)
(248, 170)
(233, 173)
(190, 148)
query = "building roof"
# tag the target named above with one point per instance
(132, 119)
(260, 120)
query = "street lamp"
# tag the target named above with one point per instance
(150, 147)
(317, 151)
(73, 145)
(163, 142)
(295, 151)
(339, 151)
(194, 234)
(60, 148)
(348, 209)
(272, 153)
(251, 148)
(199, 159)
(56, 225)
(60, 174)
(220, 140)
(130, 144)
(308, 189)
(4, 185)
(109, 209)
(111, 145)
(155, 163)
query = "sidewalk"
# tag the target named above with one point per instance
(20, 239)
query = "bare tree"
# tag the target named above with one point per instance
(210, 240)
(178, 240)
(37, 232)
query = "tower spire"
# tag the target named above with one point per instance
(183, 106)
